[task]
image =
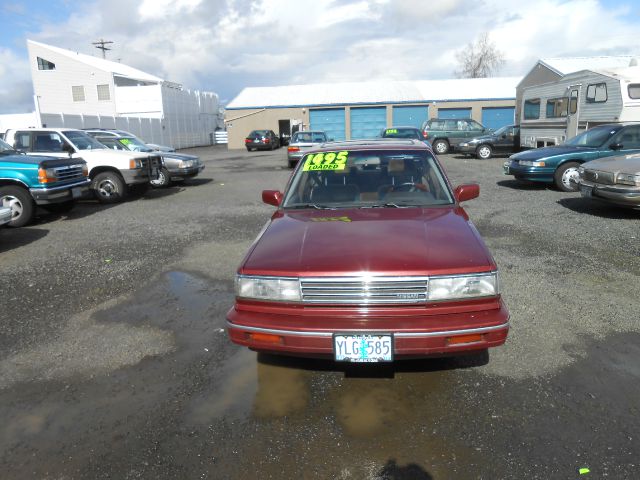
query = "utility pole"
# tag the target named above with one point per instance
(100, 45)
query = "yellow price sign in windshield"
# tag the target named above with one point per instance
(325, 161)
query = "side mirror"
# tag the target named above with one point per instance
(272, 197)
(68, 148)
(616, 146)
(467, 191)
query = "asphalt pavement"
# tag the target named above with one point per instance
(114, 361)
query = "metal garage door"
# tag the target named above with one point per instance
(496, 117)
(368, 122)
(331, 120)
(410, 116)
(454, 113)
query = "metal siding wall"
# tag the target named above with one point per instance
(330, 120)
(367, 122)
(495, 117)
(454, 113)
(413, 116)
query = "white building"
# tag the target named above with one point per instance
(81, 91)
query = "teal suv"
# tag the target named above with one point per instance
(558, 165)
(27, 181)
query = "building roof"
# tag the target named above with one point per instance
(352, 93)
(562, 66)
(102, 64)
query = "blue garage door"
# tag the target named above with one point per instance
(496, 117)
(454, 113)
(331, 120)
(410, 116)
(368, 122)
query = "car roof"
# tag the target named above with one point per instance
(374, 144)
(401, 126)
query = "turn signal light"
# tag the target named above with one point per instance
(293, 149)
(457, 340)
(46, 175)
(425, 134)
(266, 338)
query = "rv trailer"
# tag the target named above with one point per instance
(556, 111)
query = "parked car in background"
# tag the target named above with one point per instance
(27, 181)
(446, 134)
(262, 140)
(614, 180)
(302, 142)
(106, 132)
(504, 140)
(113, 173)
(559, 164)
(369, 257)
(175, 166)
(402, 132)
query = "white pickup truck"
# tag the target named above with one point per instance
(112, 172)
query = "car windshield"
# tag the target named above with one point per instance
(259, 133)
(367, 179)
(82, 141)
(401, 133)
(594, 137)
(134, 144)
(5, 147)
(309, 137)
(503, 130)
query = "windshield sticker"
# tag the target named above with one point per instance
(125, 141)
(326, 161)
(391, 131)
(331, 219)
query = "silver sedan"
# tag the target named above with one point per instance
(303, 141)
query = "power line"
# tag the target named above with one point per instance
(100, 45)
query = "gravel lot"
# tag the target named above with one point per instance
(114, 362)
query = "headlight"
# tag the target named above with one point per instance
(529, 163)
(185, 164)
(135, 163)
(85, 170)
(463, 286)
(628, 179)
(47, 175)
(280, 289)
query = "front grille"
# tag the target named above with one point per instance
(70, 172)
(365, 291)
(597, 176)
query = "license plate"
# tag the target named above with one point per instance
(76, 192)
(586, 190)
(256, 141)
(505, 167)
(363, 348)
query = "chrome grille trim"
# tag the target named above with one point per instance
(69, 172)
(598, 176)
(364, 291)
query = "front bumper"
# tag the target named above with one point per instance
(177, 173)
(136, 175)
(530, 174)
(468, 149)
(624, 195)
(416, 333)
(62, 193)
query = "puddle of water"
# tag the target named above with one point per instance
(281, 391)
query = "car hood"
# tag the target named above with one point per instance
(27, 159)
(106, 153)
(623, 164)
(482, 138)
(178, 156)
(547, 152)
(385, 241)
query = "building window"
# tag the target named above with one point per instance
(45, 64)
(634, 91)
(103, 92)
(597, 93)
(557, 107)
(532, 109)
(77, 92)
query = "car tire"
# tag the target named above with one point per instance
(441, 147)
(248, 149)
(484, 152)
(109, 187)
(21, 204)
(59, 208)
(163, 180)
(563, 175)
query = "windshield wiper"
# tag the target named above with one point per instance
(389, 204)
(312, 205)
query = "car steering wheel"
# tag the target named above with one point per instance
(405, 187)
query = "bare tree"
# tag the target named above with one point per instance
(479, 59)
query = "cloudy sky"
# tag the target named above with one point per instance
(226, 45)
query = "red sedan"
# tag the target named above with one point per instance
(368, 257)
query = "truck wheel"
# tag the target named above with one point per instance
(163, 180)
(563, 176)
(484, 152)
(441, 147)
(21, 205)
(63, 207)
(109, 187)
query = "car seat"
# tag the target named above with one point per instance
(334, 193)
